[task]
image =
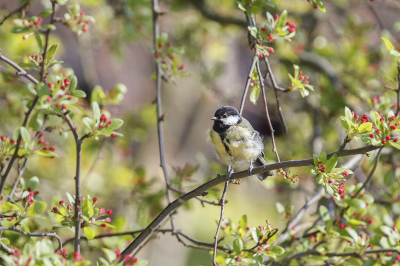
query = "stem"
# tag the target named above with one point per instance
(219, 223)
(20, 173)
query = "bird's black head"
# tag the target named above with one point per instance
(225, 117)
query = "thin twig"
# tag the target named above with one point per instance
(20, 173)
(248, 81)
(222, 179)
(4, 228)
(219, 223)
(370, 174)
(156, 34)
(276, 89)
(266, 111)
(20, 9)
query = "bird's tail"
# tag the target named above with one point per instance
(261, 162)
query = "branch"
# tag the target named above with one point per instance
(221, 217)
(4, 228)
(260, 76)
(276, 89)
(78, 192)
(344, 254)
(208, 13)
(20, 173)
(246, 88)
(20, 9)
(223, 178)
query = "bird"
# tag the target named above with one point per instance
(236, 141)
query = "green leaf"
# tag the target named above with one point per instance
(296, 70)
(88, 122)
(49, 26)
(26, 138)
(364, 128)
(255, 94)
(52, 50)
(324, 213)
(73, 83)
(323, 157)
(115, 124)
(96, 111)
(315, 159)
(39, 42)
(55, 63)
(70, 198)
(321, 5)
(352, 233)
(354, 261)
(36, 121)
(238, 246)
(270, 254)
(46, 154)
(39, 206)
(32, 183)
(277, 250)
(5, 241)
(89, 232)
(331, 163)
(395, 144)
(388, 44)
(110, 254)
(320, 178)
(87, 208)
(45, 13)
(357, 203)
(78, 93)
(375, 239)
(348, 113)
(279, 207)
(243, 222)
(42, 89)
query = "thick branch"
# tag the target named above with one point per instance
(221, 179)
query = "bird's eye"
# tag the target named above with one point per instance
(224, 115)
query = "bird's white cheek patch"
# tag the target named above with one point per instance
(231, 120)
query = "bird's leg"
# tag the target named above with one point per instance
(251, 169)
(229, 172)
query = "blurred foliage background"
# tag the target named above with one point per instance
(340, 50)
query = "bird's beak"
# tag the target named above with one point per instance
(214, 118)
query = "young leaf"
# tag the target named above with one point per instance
(32, 183)
(324, 213)
(277, 250)
(89, 232)
(88, 122)
(42, 89)
(243, 222)
(26, 138)
(45, 13)
(78, 93)
(364, 128)
(39, 206)
(96, 111)
(388, 44)
(331, 163)
(73, 83)
(237, 246)
(115, 124)
(52, 50)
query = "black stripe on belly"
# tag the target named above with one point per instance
(222, 135)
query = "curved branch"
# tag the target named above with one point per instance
(223, 178)
(20, 9)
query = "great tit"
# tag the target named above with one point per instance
(236, 141)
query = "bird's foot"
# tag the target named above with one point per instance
(251, 169)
